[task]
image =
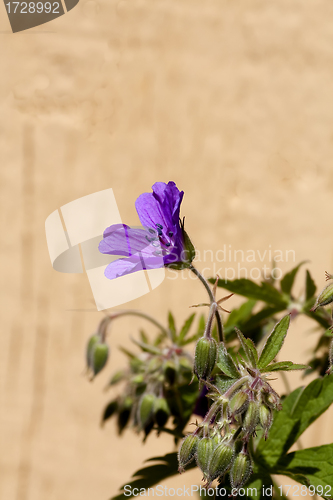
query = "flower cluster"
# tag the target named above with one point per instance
(241, 400)
(163, 380)
(153, 384)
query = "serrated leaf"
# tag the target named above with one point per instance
(128, 353)
(185, 328)
(172, 326)
(314, 463)
(117, 377)
(224, 383)
(260, 316)
(147, 477)
(289, 278)
(273, 367)
(274, 342)
(109, 411)
(144, 337)
(310, 286)
(320, 316)
(266, 292)
(226, 363)
(285, 366)
(300, 409)
(239, 315)
(249, 348)
(200, 331)
(257, 487)
(146, 347)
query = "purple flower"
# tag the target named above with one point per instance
(162, 242)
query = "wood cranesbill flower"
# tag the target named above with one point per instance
(161, 242)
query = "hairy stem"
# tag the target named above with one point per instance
(130, 312)
(212, 300)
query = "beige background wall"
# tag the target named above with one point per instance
(230, 99)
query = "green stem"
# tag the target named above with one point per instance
(212, 300)
(208, 329)
(130, 312)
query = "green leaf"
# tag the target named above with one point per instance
(314, 463)
(239, 315)
(285, 366)
(144, 337)
(257, 488)
(289, 278)
(172, 326)
(249, 348)
(129, 354)
(226, 363)
(147, 347)
(310, 286)
(300, 409)
(147, 477)
(274, 367)
(261, 316)
(224, 383)
(274, 342)
(266, 292)
(320, 316)
(109, 411)
(116, 378)
(186, 327)
(200, 331)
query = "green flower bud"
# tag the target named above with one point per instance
(217, 438)
(136, 365)
(97, 354)
(187, 451)
(138, 379)
(265, 418)
(251, 418)
(154, 365)
(241, 470)
(205, 357)
(161, 411)
(204, 454)
(170, 372)
(146, 407)
(94, 339)
(124, 414)
(238, 403)
(324, 298)
(272, 400)
(221, 460)
(139, 383)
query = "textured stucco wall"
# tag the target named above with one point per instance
(233, 101)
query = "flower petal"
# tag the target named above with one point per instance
(120, 239)
(121, 267)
